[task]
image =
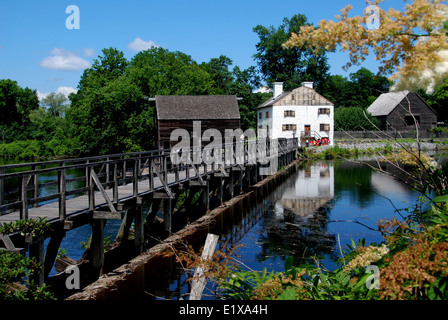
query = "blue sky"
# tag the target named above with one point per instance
(40, 52)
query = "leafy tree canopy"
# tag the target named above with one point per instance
(16, 103)
(293, 65)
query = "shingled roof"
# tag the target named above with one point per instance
(386, 103)
(303, 96)
(197, 107)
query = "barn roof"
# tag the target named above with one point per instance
(197, 107)
(386, 102)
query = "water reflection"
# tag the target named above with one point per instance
(323, 201)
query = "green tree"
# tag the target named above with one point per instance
(16, 103)
(103, 104)
(367, 87)
(353, 119)
(158, 71)
(360, 90)
(339, 90)
(237, 82)
(55, 103)
(439, 100)
(291, 66)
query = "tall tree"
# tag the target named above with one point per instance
(158, 71)
(55, 103)
(237, 82)
(293, 65)
(16, 103)
(360, 90)
(103, 106)
(439, 100)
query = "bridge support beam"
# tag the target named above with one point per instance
(168, 208)
(36, 250)
(139, 234)
(52, 251)
(97, 245)
(206, 196)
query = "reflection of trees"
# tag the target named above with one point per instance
(297, 236)
(354, 178)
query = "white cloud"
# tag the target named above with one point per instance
(263, 89)
(62, 59)
(139, 44)
(64, 90)
(88, 52)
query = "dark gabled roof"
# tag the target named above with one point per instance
(197, 107)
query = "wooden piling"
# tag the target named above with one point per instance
(199, 282)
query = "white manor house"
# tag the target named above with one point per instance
(301, 113)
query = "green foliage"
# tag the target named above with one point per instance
(306, 282)
(16, 274)
(33, 227)
(439, 99)
(354, 119)
(16, 103)
(292, 66)
(360, 90)
(237, 82)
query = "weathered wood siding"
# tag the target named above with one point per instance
(399, 119)
(165, 127)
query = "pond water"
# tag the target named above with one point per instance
(317, 210)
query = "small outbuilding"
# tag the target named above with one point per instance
(219, 112)
(402, 111)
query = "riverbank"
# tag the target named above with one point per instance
(356, 147)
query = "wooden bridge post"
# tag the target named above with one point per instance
(24, 198)
(139, 237)
(36, 250)
(62, 195)
(206, 195)
(231, 183)
(135, 178)
(97, 245)
(168, 208)
(52, 251)
(35, 185)
(2, 187)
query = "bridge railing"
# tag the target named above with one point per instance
(28, 185)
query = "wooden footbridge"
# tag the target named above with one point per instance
(70, 193)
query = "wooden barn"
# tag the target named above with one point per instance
(400, 111)
(173, 112)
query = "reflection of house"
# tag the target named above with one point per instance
(173, 112)
(400, 111)
(313, 189)
(301, 113)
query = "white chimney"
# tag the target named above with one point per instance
(308, 84)
(278, 89)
